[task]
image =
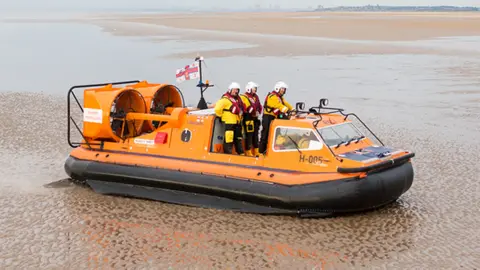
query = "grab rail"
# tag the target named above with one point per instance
(317, 111)
(69, 117)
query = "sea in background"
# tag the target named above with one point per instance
(425, 103)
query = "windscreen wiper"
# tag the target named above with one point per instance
(340, 143)
(296, 145)
(357, 138)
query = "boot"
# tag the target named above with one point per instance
(228, 148)
(248, 153)
(255, 152)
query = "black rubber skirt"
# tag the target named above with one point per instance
(201, 190)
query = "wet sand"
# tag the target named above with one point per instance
(299, 33)
(356, 26)
(309, 33)
(424, 102)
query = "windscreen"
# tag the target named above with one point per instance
(341, 133)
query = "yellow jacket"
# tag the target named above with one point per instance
(245, 100)
(275, 105)
(222, 108)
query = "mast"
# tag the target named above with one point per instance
(202, 104)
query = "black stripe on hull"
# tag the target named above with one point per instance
(202, 190)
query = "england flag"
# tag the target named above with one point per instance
(189, 72)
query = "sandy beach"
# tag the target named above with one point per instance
(357, 26)
(305, 33)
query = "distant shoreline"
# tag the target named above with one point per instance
(380, 8)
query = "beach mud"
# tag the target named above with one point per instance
(424, 102)
(308, 33)
(400, 26)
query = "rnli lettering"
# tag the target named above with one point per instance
(311, 159)
(195, 122)
(329, 121)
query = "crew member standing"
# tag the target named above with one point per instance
(251, 121)
(275, 106)
(230, 109)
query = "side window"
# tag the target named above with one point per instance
(288, 139)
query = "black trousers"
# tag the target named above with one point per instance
(251, 125)
(233, 136)
(266, 121)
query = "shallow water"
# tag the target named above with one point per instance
(429, 104)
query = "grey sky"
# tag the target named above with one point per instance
(172, 4)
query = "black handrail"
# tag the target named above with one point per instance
(330, 110)
(69, 118)
(358, 118)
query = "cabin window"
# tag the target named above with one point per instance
(287, 139)
(342, 133)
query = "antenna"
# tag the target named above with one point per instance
(202, 104)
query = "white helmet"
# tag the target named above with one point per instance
(250, 86)
(234, 85)
(279, 85)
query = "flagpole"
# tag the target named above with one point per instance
(201, 81)
(202, 104)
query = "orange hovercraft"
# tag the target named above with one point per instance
(140, 140)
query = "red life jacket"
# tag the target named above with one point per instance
(237, 107)
(255, 107)
(269, 109)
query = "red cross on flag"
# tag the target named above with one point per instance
(188, 72)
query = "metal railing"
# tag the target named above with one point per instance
(70, 118)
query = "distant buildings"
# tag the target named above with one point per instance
(398, 8)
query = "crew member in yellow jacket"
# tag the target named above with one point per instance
(230, 109)
(275, 106)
